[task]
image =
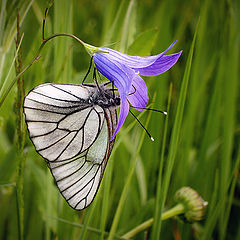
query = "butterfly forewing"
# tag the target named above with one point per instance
(73, 136)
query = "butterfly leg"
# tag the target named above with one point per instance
(89, 69)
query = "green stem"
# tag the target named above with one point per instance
(2, 59)
(127, 184)
(13, 62)
(20, 135)
(87, 46)
(178, 209)
(157, 215)
(89, 229)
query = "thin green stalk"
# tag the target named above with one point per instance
(35, 59)
(12, 64)
(48, 181)
(126, 186)
(8, 27)
(20, 137)
(87, 219)
(109, 34)
(2, 21)
(63, 64)
(229, 103)
(89, 229)
(105, 199)
(157, 223)
(176, 128)
(125, 31)
(2, 60)
(211, 221)
(178, 209)
(12, 184)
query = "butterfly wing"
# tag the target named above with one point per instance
(61, 124)
(78, 179)
(72, 136)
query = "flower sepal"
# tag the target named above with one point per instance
(92, 49)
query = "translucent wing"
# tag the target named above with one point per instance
(73, 136)
(60, 122)
(78, 179)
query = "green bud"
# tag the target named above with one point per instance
(194, 205)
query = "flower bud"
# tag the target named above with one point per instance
(194, 205)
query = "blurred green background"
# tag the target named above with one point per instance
(197, 145)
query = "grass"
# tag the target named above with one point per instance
(197, 145)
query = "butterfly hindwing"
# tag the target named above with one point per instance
(73, 136)
(78, 179)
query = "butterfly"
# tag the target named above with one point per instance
(71, 127)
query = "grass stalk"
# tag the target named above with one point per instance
(106, 195)
(176, 129)
(176, 210)
(126, 186)
(89, 229)
(20, 136)
(125, 30)
(157, 223)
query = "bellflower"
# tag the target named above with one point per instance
(124, 70)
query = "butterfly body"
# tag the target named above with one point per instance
(104, 97)
(71, 127)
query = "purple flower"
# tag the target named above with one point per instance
(124, 70)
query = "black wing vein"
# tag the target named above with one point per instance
(77, 154)
(77, 181)
(66, 91)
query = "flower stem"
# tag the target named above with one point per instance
(176, 210)
(36, 58)
(20, 136)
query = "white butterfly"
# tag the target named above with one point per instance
(71, 127)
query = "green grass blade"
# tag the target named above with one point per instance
(87, 218)
(110, 35)
(157, 214)
(127, 185)
(106, 195)
(144, 42)
(63, 23)
(129, 24)
(78, 225)
(176, 130)
(230, 107)
(216, 208)
(2, 94)
(10, 31)
(2, 22)
(20, 134)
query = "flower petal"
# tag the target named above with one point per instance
(124, 109)
(139, 98)
(161, 65)
(133, 61)
(115, 71)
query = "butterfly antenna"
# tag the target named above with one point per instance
(151, 109)
(113, 90)
(90, 65)
(142, 126)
